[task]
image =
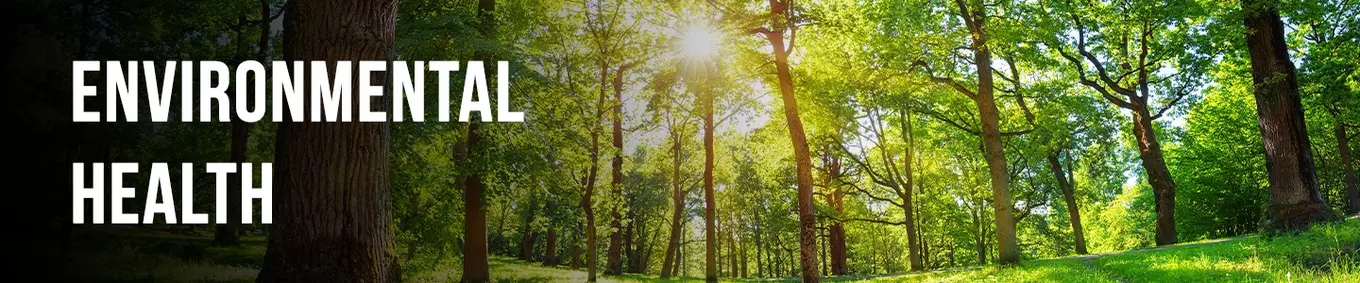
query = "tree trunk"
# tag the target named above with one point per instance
(526, 244)
(979, 238)
(587, 201)
(825, 269)
(614, 263)
(680, 256)
(626, 254)
(907, 195)
(575, 256)
(333, 210)
(760, 250)
(1295, 201)
(1009, 253)
(639, 244)
(528, 234)
(550, 248)
(226, 234)
(1069, 196)
(1159, 177)
(592, 250)
(677, 206)
(710, 208)
(732, 249)
(745, 251)
(476, 267)
(1344, 150)
(229, 234)
(802, 158)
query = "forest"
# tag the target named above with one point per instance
(891, 140)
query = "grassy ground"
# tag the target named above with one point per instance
(1326, 253)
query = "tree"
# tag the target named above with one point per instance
(975, 19)
(1132, 41)
(1296, 202)
(333, 221)
(781, 21)
(229, 234)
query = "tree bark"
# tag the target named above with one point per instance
(550, 248)
(528, 234)
(710, 208)
(677, 205)
(1344, 150)
(1159, 177)
(1069, 196)
(637, 252)
(333, 210)
(1295, 200)
(476, 267)
(614, 263)
(1008, 252)
(802, 157)
(907, 195)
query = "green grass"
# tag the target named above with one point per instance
(1325, 253)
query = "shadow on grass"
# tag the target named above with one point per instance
(136, 254)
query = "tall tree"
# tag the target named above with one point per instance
(476, 267)
(710, 206)
(333, 211)
(974, 17)
(1296, 202)
(228, 234)
(782, 21)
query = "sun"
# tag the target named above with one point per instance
(699, 41)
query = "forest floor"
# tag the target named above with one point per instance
(1325, 253)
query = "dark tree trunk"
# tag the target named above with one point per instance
(733, 248)
(527, 232)
(592, 250)
(587, 201)
(333, 221)
(760, 250)
(626, 254)
(614, 263)
(637, 245)
(225, 234)
(550, 248)
(837, 242)
(825, 269)
(476, 267)
(907, 195)
(526, 245)
(229, 234)
(1344, 150)
(1295, 200)
(1069, 196)
(710, 207)
(807, 240)
(745, 250)
(677, 206)
(575, 256)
